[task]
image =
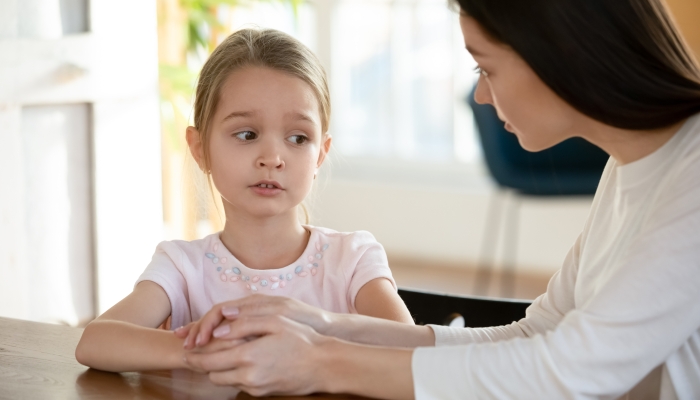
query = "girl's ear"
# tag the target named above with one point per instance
(325, 148)
(194, 141)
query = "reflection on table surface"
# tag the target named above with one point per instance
(37, 361)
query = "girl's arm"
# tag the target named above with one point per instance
(378, 298)
(125, 337)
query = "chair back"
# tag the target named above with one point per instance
(441, 309)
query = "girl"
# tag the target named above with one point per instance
(262, 111)
(621, 319)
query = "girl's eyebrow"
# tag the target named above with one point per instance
(298, 116)
(239, 114)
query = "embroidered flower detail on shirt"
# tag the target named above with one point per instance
(272, 282)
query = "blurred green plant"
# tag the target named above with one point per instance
(202, 14)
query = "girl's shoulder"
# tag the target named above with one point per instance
(326, 237)
(180, 251)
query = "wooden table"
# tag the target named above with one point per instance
(37, 362)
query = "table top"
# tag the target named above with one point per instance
(37, 361)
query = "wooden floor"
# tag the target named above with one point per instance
(462, 280)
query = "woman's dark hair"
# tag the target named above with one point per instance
(621, 62)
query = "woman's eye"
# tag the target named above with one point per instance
(298, 139)
(480, 71)
(246, 135)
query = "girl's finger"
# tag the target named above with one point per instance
(230, 378)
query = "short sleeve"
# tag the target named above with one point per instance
(371, 264)
(165, 269)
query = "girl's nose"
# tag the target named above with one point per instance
(271, 160)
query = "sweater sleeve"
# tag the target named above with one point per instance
(645, 309)
(543, 315)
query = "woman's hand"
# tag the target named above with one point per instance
(199, 333)
(285, 356)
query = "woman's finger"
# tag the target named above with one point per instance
(227, 310)
(241, 378)
(247, 327)
(190, 340)
(200, 333)
(260, 305)
(223, 360)
(183, 331)
(217, 345)
(241, 330)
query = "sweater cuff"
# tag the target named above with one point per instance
(442, 373)
(447, 336)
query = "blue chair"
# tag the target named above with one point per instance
(572, 167)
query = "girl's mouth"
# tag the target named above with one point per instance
(267, 188)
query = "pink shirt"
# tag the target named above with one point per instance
(199, 274)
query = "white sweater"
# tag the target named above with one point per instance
(626, 300)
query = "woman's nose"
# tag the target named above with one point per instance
(482, 94)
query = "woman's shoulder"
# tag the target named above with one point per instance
(684, 160)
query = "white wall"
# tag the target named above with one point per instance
(446, 224)
(111, 71)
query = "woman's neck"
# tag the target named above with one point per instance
(265, 243)
(627, 146)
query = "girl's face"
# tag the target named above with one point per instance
(531, 110)
(265, 143)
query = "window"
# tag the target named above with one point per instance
(398, 71)
(395, 91)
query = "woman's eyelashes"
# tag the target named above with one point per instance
(480, 71)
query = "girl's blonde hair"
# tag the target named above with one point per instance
(258, 48)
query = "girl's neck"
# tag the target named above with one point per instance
(265, 243)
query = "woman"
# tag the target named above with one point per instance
(623, 313)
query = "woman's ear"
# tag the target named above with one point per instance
(194, 141)
(325, 148)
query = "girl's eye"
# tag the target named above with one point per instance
(246, 135)
(298, 139)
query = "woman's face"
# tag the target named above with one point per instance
(531, 110)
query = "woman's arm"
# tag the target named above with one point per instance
(291, 358)
(378, 298)
(124, 338)
(349, 327)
